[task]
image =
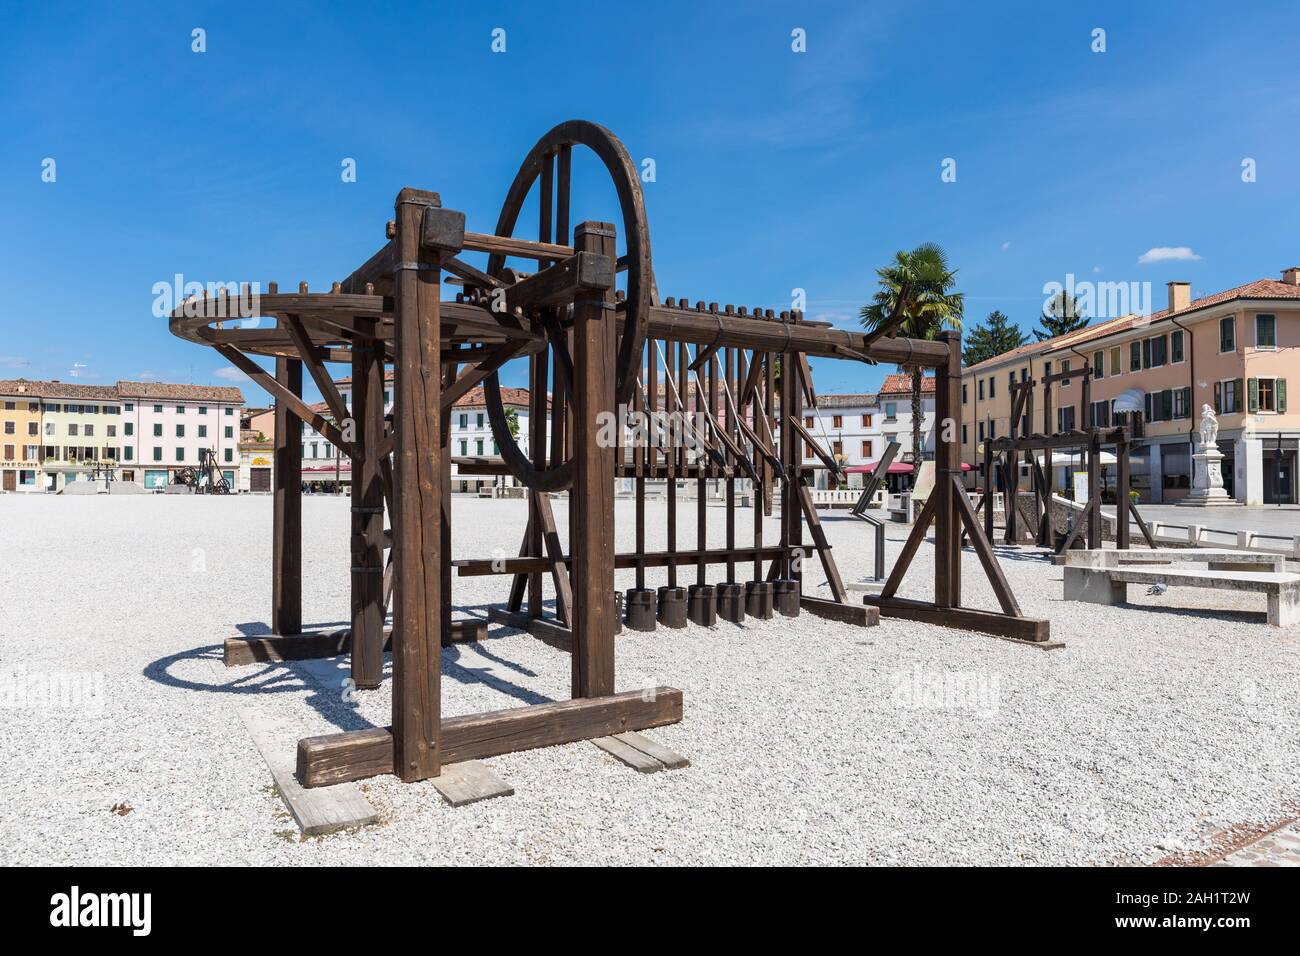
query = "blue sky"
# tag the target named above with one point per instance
(775, 170)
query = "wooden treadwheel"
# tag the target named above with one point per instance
(548, 165)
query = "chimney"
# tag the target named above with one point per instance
(1180, 296)
(1291, 276)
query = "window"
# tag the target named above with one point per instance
(1099, 364)
(157, 429)
(1183, 402)
(1099, 414)
(837, 421)
(993, 386)
(33, 428)
(866, 421)
(230, 431)
(1135, 356)
(965, 435)
(496, 452)
(72, 429)
(1227, 396)
(478, 446)
(9, 453)
(53, 408)
(203, 431)
(130, 428)
(1266, 395)
(203, 409)
(464, 446)
(807, 450)
(1065, 367)
(157, 409)
(388, 396)
(11, 428)
(49, 428)
(1176, 347)
(112, 431)
(180, 454)
(129, 406)
(1024, 374)
(1265, 331)
(157, 453)
(1159, 353)
(891, 411)
(1065, 419)
(837, 448)
(807, 421)
(993, 429)
(981, 390)
(10, 406)
(229, 454)
(464, 420)
(128, 453)
(1047, 369)
(1228, 333)
(180, 431)
(979, 430)
(1011, 379)
(866, 450)
(479, 420)
(180, 409)
(229, 410)
(965, 393)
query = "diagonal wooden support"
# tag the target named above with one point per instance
(819, 540)
(914, 539)
(984, 550)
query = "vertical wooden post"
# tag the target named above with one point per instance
(444, 565)
(1094, 491)
(539, 367)
(591, 503)
(367, 510)
(417, 524)
(988, 488)
(947, 474)
(1122, 485)
(286, 535)
(792, 457)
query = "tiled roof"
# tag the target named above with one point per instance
(347, 379)
(1259, 289)
(172, 392)
(509, 396)
(55, 389)
(847, 399)
(900, 383)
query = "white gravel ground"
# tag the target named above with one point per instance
(810, 742)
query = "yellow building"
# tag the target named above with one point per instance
(81, 430)
(20, 436)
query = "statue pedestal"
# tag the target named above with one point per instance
(1207, 479)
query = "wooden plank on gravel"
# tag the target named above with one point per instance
(671, 759)
(625, 753)
(318, 811)
(469, 782)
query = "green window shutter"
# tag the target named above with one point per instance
(1238, 384)
(1187, 401)
(1218, 398)
(1167, 405)
(1252, 393)
(1280, 397)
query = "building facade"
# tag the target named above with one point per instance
(131, 431)
(1232, 351)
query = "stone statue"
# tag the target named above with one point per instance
(1209, 426)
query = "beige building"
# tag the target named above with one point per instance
(1232, 351)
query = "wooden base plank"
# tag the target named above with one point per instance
(317, 812)
(336, 758)
(544, 629)
(858, 614)
(627, 754)
(469, 782)
(311, 645)
(671, 759)
(1034, 631)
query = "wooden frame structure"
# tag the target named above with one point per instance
(588, 320)
(1004, 455)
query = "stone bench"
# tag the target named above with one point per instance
(1218, 559)
(1110, 586)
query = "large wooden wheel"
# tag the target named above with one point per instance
(548, 165)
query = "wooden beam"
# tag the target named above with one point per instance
(286, 528)
(338, 758)
(1030, 630)
(560, 284)
(480, 567)
(591, 501)
(416, 751)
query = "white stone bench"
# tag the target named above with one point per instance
(1110, 586)
(1218, 559)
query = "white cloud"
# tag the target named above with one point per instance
(230, 374)
(1167, 254)
(1096, 268)
(1006, 245)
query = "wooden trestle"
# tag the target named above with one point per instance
(734, 381)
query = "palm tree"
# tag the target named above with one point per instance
(917, 286)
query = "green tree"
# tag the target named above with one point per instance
(1061, 315)
(917, 286)
(512, 421)
(991, 338)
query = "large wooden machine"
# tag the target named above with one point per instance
(579, 302)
